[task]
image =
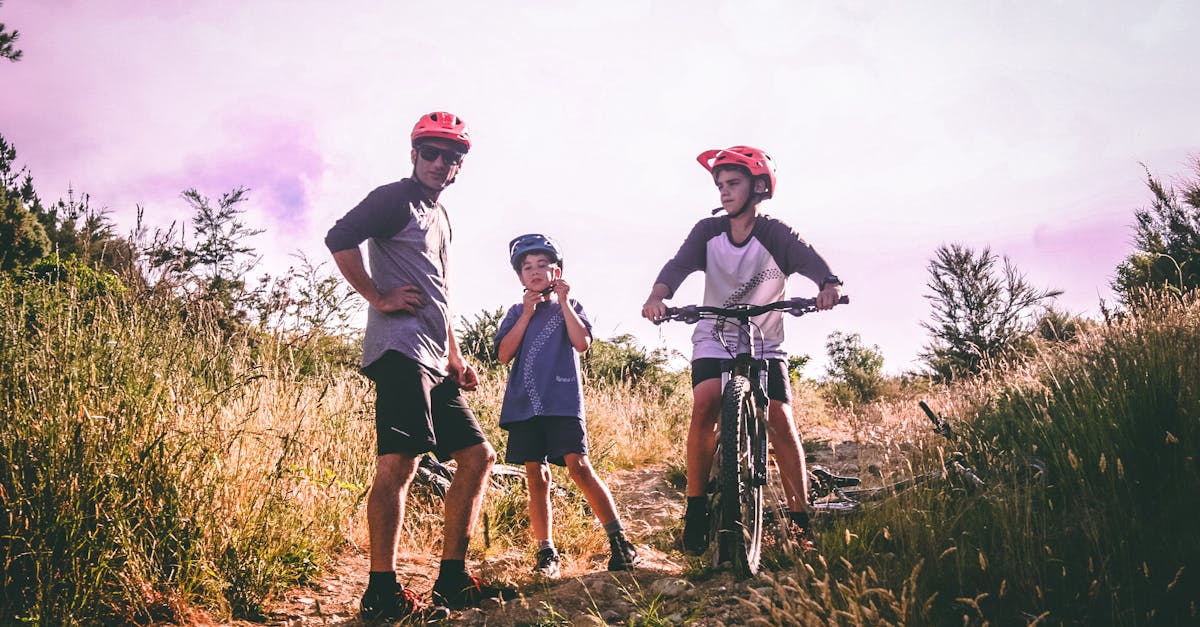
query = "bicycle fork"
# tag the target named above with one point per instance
(760, 424)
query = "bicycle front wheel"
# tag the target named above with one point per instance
(738, 506)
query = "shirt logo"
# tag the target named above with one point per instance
(564, 379)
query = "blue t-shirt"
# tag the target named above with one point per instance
(544, 380)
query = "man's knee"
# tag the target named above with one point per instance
(395, 469)
(475, 460)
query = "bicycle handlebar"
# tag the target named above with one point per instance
(940, 425)
(691, 314)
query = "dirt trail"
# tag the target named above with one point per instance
(651, 509)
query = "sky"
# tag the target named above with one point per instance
(897, 127)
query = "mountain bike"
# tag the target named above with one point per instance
(739, 471)
(832, 494)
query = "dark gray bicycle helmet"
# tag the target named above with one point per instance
(532, 242)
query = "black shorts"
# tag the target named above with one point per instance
(418, 410)
(545, 438)
(779, 385)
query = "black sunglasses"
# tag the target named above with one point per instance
(449, 157)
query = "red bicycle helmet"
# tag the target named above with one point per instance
(442, 125)
(756, 161)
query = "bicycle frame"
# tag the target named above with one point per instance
(746, 363)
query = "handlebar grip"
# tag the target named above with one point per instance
(929, 412)
(670, 314)
(940, 425)
(844, 300)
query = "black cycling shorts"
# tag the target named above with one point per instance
(418, 410)
(779, 385)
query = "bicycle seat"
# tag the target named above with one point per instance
(826, 478)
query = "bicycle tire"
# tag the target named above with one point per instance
(738, 500)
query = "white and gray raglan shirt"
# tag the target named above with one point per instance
(752, 272)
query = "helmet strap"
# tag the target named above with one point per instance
(752, 200)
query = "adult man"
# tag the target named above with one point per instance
(410, 352)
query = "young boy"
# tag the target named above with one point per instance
(543, 403)
(746, 257)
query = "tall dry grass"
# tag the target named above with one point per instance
(153, 462)
(1104, 539)
(156, 460)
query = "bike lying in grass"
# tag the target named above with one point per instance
(438, 476)
(739, 471)
(833, 494)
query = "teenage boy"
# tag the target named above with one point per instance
(410, 353)
(543, 403)
(746, 257)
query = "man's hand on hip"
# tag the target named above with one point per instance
(406, 298)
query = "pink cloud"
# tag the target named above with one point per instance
(277, 161)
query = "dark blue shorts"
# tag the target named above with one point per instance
(544, 439)
(418, 410)
(779, 386)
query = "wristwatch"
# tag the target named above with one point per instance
(831, 280)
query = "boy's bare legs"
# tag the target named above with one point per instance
(701, 446)
(465, 496)
(789, 454)
(702, 435)
(624, 555)
(385, 507)
(594, 489)
(537, 478)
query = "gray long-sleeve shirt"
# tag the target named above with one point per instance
(752, 272)
(408, 238)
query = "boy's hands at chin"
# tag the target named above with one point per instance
(562, 288)
(530, 301)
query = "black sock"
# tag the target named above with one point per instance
(801, 519)
(696, 506)
(382, 580)
(453, 571)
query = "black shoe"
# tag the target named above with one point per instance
(547, 563)
(624, 555)
(469, 593)
(695, 533)
(398, 603)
